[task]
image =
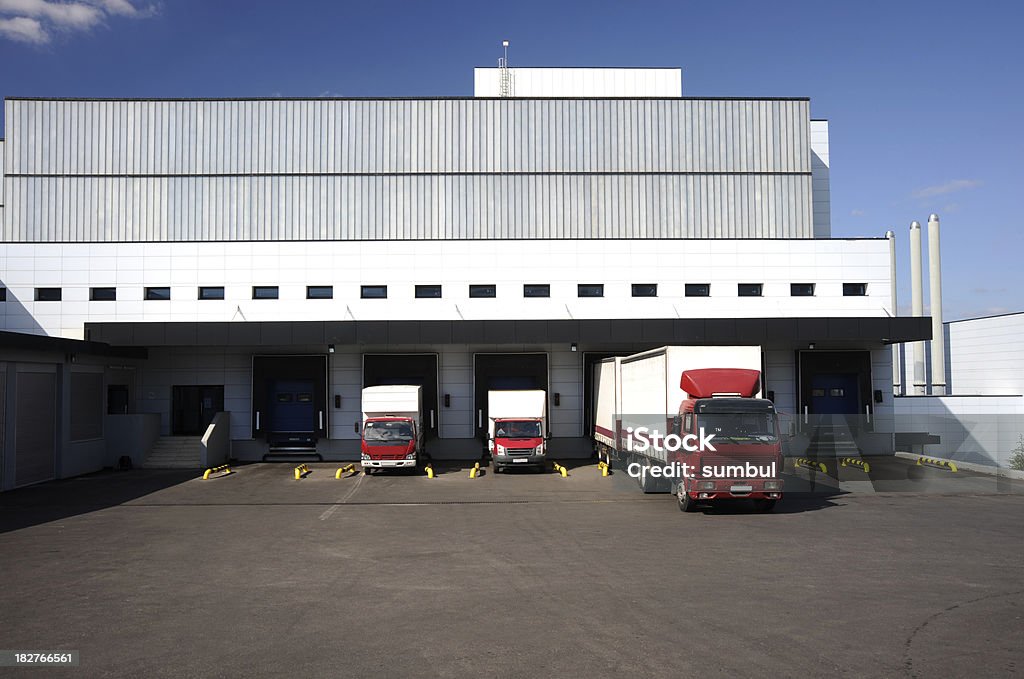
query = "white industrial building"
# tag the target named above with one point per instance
(177, 263)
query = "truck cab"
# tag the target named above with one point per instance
(516, 435)
(389, 442)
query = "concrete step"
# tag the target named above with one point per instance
(175, 452)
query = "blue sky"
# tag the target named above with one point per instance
(925, 100)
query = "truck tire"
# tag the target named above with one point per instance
(764, 506)
(686, 503)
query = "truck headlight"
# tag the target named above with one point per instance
(773, 485)
(501, 450)
(705, 485)
(411, 456)
(364, 456)
(540, 449)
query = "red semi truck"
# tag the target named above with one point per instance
(690, 421)
(747, 459)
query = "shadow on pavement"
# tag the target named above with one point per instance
(55, 500)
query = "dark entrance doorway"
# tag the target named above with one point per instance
(117, 399)
(420, 369)
(193, 408)
(505, 371)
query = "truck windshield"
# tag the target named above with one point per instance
(744, 427)
(387, 433)
(529, 429)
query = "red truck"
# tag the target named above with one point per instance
(689, 420)
(747, 459)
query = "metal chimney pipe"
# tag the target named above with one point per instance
(935, 299)
(917, 305)
(897, 371)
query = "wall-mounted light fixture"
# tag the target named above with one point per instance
(447, 400)
(878, 395)
(810, 345)
(572, 347)
(337, 400)
(330, 348)
(771, 395)
(558, 399)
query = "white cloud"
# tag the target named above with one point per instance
(61, 14)
(948, 187)
(856, 213)
(34, 21)
(23, 29)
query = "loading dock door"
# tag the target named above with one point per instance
(300, 421)
(419, 369)
(35, 427)
(492, 372)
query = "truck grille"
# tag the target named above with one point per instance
(520, 452)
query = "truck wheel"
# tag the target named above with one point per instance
(495, 468)
(685, 502)
(764, 506)
(367, 471)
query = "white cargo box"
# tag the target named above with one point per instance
(398, 400)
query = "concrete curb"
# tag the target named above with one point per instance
(971, 466)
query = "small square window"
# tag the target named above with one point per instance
(211, 292)
(158, 294)
(645, 289)
(102, 294)
(3, 294)
(265, 292)
(319, 292)
(48, 294)
(590, 290)
(855, 289)
(483, 291)
(749, 289)
(698, 290)
(373, 291)
(428, 292)
(536, 290)
(801, 289)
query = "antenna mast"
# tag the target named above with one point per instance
(504, 75)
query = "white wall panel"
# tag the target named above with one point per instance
(986, 356)
(581, 82)
(455, 265)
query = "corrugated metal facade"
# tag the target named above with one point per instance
(418, 168)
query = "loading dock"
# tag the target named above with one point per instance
(415, 369)
(505, 371)
(289, 397)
